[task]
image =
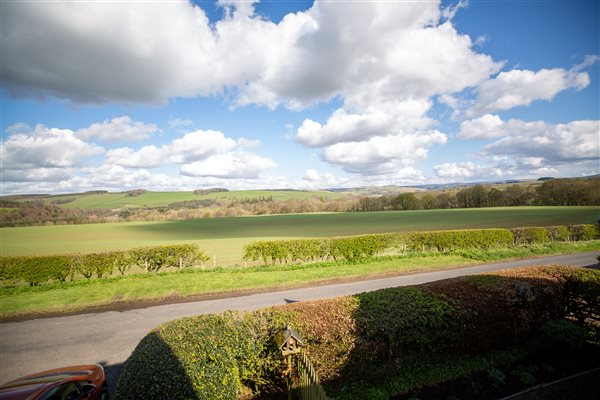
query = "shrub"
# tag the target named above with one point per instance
(463, 239)
(530, 235)
(558, 233)
(406, 319)
(582, 232)
(350, 248)
(153, 259)
(100, 264)
(203, 357)
(557, 338)
(35, 270)
(380, 342)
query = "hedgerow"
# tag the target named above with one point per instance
(349, 248)
(153, 259)
(356, 247)
(34, 270)
(530, 235)
(376, 342)
(583, 232)
(460, 239)
(38, 270)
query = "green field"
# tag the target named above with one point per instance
(160, 199)
(82, 295)
(224, 238)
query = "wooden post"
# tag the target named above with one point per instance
(289, 377)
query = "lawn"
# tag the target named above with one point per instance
(225, 237)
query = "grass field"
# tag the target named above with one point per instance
(158, 199)
(225, 237)
(80, 295)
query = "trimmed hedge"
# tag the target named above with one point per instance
(350, 248)
(463, 239)
(153, 259)
(34, 270)
(359, 345)
(38, 270)
(355, 247)
(530, 235)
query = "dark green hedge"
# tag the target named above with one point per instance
(356, 342)
(37, 270)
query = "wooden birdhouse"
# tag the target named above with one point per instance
(288, 341)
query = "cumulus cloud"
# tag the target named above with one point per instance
(485, 127)
(556, 143)
(386, 49)
(385, 119)
(311, 175)
(44, 154)
(522, 87)
(466, 170)
(529, 148)
(199, 153)
(232, 165)
(383, 154)
(146, 157)
(197, 145)
(121, 129)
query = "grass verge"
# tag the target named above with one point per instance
(176, 286)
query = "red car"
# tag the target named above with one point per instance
(81, 382)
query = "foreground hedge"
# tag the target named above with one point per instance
(37, 270)
(382, 338)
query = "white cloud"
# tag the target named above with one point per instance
(121, 129)
(387, 50)
(485, 127)
(523, 87)
(385, 119)
(561, 143)
(200, 153)
(197, 145)
(544, 171)
(382, 155)
(311, 175)
(44, 154)
(139, 56)
(179, 123)
(313, 179)
(466, 170)
(530, 149)
(234, 165)
(146, 157)
(248, 143)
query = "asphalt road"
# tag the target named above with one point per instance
(108, 338)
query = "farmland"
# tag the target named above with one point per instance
(224, 238)
(161, 199)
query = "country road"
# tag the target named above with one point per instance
(109, 338)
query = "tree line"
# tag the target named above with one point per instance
(556, 192)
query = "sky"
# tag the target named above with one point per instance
(182, 95)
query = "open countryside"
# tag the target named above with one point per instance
(224, 238)
(299, 200)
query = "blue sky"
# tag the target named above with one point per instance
(178, 95)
